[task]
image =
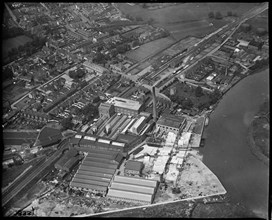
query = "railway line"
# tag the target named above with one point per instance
(17, 187)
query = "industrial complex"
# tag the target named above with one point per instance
(98, 122)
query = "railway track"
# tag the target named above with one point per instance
(18, 186)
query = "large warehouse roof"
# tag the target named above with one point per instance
(130, 195)
(135, 180)
(97, 164)
(133, 188)
(88, 186)
(92, 182)
(95, 174)
(97, 169)
(95, 178)
(100, 160)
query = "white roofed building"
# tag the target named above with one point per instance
(133, 189)
(125, 106)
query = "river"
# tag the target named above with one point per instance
(226, 150)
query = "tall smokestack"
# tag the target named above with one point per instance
(154, 104)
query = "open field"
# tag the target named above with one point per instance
(188, 19)
(14, 92)
(149, 48)
(260, 21)
(15, 42)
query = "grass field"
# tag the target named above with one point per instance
(150, 48)
(188, 19)
(260, 21)
(7, 45)
(14, 92)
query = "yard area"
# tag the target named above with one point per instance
(197, 180)
(187, 19)
(15, 42)
(149, 49)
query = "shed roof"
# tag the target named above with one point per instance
(130, 195)
(97, 169)
(93, 173)
(132, 188)
(134, 165)
(97, 164)
(171, 121)
(88, 181)
(88, 186)
(70, 163)
(135, 181)
(96, 178)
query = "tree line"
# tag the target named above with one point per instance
(218, 15)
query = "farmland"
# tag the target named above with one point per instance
(13, 43)
(260, 21)
(186, 19)
(149, 49)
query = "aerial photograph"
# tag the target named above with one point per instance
(156, 109)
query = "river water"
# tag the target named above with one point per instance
(226, 150)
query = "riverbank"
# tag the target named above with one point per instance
(258, 133)
(208, 112)
(253, 146)
(227, 152)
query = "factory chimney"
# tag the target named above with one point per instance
(154, 104)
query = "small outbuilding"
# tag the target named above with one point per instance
(133, 168)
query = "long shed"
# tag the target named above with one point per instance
(135, 180)
(133, 188)
(130, 196)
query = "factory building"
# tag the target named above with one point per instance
(89, 142)
(171, 123)
(106, 109)
(70, 164)
(96, 171)
(126, 106)
(130, 140)
(138, 125)
(133, 189)
(65, 159)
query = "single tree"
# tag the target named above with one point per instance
(139, 18)
(198, 91)
(67, 123)
(211, 14)
(229, 13)
(218, 15)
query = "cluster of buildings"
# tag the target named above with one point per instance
(24, 145)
